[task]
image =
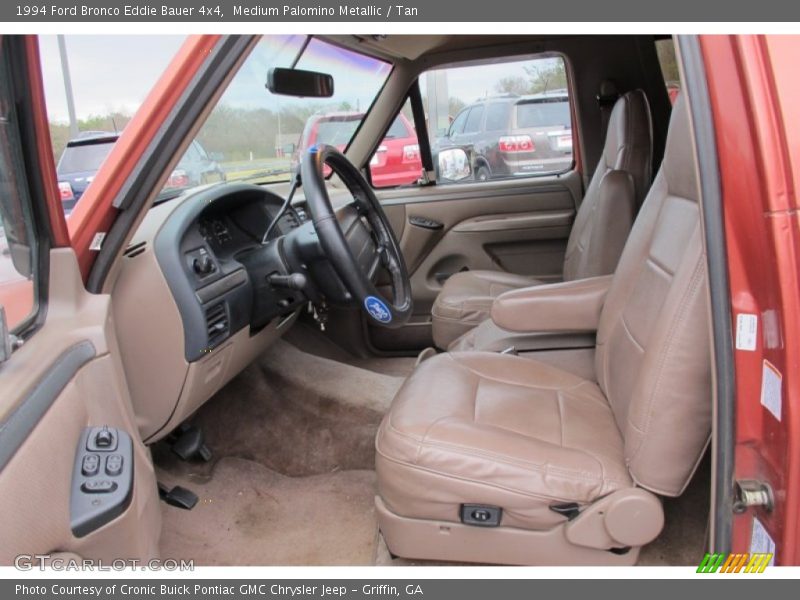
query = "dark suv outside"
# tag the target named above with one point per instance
(515, 135)
(84, 155)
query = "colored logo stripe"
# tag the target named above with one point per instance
(735, 563)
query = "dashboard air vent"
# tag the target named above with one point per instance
(135, 249)
(217, 323)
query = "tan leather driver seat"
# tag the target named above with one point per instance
(574, 465)
(598, 235)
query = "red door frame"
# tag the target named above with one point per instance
(95, 213)
(753, 89)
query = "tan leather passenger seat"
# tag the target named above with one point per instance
(512, 434)
(598, 235)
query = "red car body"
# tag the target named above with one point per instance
(754, 94)
(396, 160)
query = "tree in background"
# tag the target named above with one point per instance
(518, 86)
(669, 64)
(59, 132)
(454, 105)
(543, 77)
(236, 133)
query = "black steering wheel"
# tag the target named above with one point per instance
(381, 311)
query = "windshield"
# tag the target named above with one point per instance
(256, 136)
(83, 158)
(547, 113)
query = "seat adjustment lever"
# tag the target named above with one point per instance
(570, 510)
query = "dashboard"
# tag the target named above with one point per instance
(204, 250)
(199, 295)
(184, 299)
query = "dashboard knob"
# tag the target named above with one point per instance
(203, 265)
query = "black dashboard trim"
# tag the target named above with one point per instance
(167, 248)
(221, 286)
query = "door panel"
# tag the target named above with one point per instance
(520, 226)
(68, 377)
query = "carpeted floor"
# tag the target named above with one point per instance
(311, 340)
(296, 413)
(292, 480)
(251, 515)
(683, 540)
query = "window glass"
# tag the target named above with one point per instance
(256, 136)
(473, 124)
(543, 113)
(397, 161)
(398, 129)
(93, 85)
(458, 125)
(83, 157)
(337, 131)
(512, 119)
(18, 247)
(496, 117)
(669, 67)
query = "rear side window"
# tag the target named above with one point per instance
(517, 121)
(497, 116)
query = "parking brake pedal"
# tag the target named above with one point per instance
(177, 496)
(189, 444)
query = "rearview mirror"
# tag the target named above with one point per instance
(454, 165)
(295, 82)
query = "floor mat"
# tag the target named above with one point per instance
(250, 515)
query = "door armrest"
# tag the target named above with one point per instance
(568, 306)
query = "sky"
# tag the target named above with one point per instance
(115, 73)
(109, 73)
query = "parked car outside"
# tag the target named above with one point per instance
(84, 155)
(395, 162)
(79, 162)
(515, 135)
(196, 167)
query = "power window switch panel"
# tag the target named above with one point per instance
(102, 478)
